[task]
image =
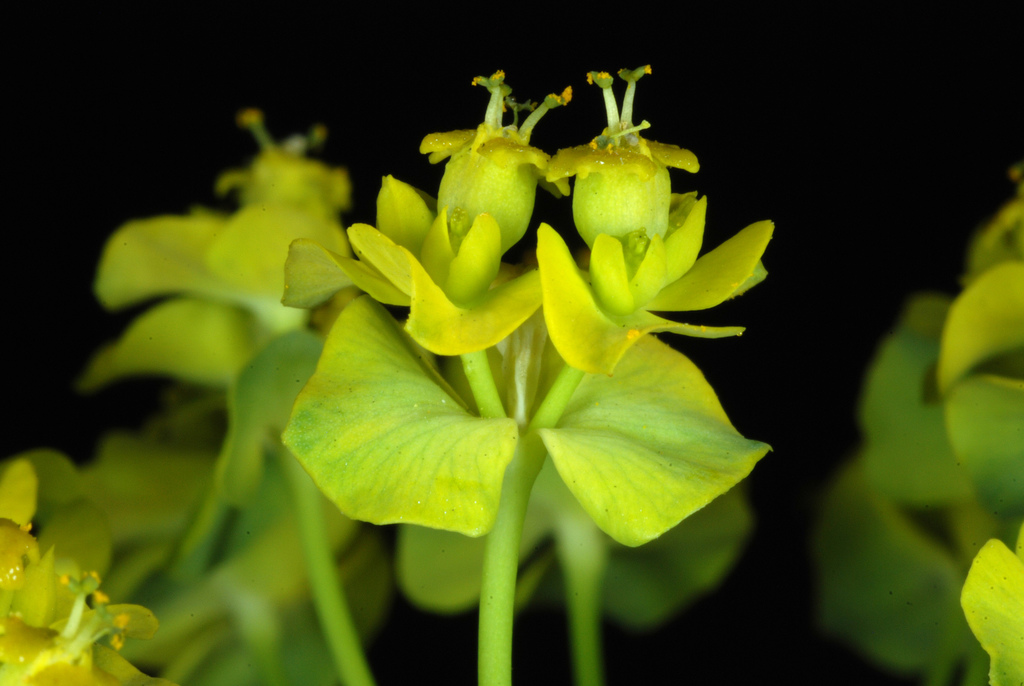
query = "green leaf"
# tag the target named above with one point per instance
(127, 675)
(985, 421)
(650, 275)
(649, 446)
(259, 403)
(192, 340)
(474, 269)
(387, 257)
(80, 535)
(147, 487)
(250, 252)
(404, 213)
(608, 276)
(439, 571)
(906, 454)
(885, 586)
(385, 442)
(312, 274)
(645, 587)
(993, 601)
(444, 328)
(147, 258)
(586, 337)
(718, 275)
(683, 244)
(59, 480)
(985, 320)
(36, 601)
(18, 488)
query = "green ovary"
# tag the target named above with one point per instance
(620, 203)
(477, 184)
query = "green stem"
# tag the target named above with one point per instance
(555, 402)
(481, 381)
(501, 547)
(331, 606)
(501, 564)
(583, 558)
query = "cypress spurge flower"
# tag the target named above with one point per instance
(446, 265)
(644, 243)
(222, 271)
(51, 623)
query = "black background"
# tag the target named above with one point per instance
(875, 140)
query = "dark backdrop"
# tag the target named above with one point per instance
(874, 139)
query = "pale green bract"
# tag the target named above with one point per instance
(383, 438)
(386, 437)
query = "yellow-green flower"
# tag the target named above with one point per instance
(493, 169)
(644, 241)
(282, 174)
(445, 265)
(50, 624)
(224, 272)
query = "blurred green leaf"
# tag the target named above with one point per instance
(192, 340)
(259, 403)
(985, 320)
(886, 587)
(985, 421)
(906, 454)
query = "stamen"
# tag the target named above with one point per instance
(528, 106)
(604, 80)
(499, 91)
(316, 137)
(550, 102)
(631, 77)
(252, 119)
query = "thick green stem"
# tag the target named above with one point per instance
(481, 381)
(331, 606)
(583, 557)
(501, 548)
(501, 564)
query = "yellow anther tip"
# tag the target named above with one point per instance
(100, 597)
(604, 75)
(117, 641)
(121, 620)
(26, 527)
(567, 94)
(65, 579)
(590, 79)
(248, 117)
(500, 75)
(647, 69)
